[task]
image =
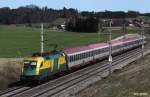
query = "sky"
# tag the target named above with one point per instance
(84, 5)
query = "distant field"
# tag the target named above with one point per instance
(23, 41)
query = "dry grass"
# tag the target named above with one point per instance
(131, 81)
(9, 71)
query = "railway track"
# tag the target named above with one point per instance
(9, 90)
(57, 86)
(54, 90)
(12, 91)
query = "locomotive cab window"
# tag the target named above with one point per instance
(30, 64)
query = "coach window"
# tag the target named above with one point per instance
(90, 53)
(75, 57)
(102, 50)
(71, 58)
(82, 55)
(97, 52)
(94, 52)
(78, 57)
(85, 54)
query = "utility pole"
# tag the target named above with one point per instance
(98, 32)
(142, 34)
(110, 48)
(124, 33)
(42, 39)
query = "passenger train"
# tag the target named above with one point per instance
(38, 67)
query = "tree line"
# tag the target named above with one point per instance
(35, 14)
(89, 24)
(78, 21)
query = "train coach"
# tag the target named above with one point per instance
(39, 67)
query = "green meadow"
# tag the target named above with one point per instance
(23, 41)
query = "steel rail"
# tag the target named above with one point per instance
(38, 90)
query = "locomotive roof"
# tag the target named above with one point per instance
(118, 40)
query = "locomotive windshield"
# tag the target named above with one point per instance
(30, 64)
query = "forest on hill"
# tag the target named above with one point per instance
(35, 14)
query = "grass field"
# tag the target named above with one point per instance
(23, 41)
